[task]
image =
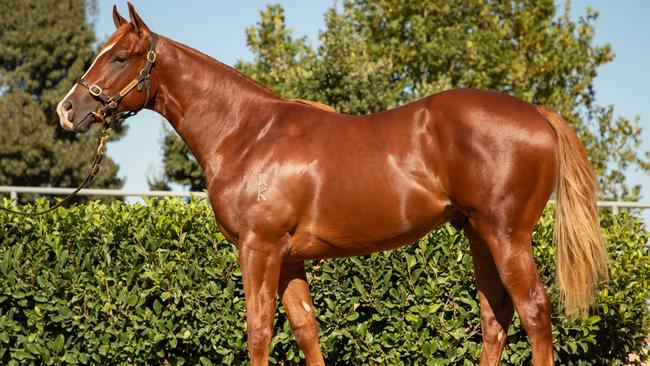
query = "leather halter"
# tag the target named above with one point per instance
(110, 106)
(111, 102)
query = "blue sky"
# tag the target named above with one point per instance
(217, 28)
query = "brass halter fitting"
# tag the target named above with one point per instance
(111, 102)
(95, 90)
(109, 107)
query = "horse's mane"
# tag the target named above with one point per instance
(247, 79)
(125, 28)
(250, 81)
(119, 32)
(318, 105)
(236, 74)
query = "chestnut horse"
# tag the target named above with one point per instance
(291, 181)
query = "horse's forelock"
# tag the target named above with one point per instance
(118, 34)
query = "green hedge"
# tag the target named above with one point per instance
(158, 284)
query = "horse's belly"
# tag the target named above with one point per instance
(363, 225)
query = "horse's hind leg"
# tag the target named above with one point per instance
(510, 247)
(496, 305)
(294, 294)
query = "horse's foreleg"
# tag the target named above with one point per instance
(260, 265)
(496, 306)
(294, 294)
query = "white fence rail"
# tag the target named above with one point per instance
(14, 191)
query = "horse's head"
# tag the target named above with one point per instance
(117, 81)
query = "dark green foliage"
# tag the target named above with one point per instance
(45, 45)
(158, 284)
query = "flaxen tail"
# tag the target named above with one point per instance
(581, 254)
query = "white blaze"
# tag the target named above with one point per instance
(103, 51)
(63, 120)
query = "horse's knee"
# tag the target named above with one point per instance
(259, 338)
(304, 327)
(305, 334)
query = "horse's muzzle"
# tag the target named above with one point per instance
(83, 125)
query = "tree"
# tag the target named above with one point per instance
(380, 54)
(180, 166)
(45, 45)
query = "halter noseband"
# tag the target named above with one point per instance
(111, 102)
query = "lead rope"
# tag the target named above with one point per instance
(110, 107)
(92, 172)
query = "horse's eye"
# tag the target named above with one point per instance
(119, 59)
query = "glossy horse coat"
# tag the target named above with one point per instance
(293, 180)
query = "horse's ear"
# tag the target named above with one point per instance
(117, 18)
(136, 21)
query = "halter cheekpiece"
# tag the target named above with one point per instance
(110, 106)
(111, 102)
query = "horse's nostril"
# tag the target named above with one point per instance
(70, 116)
(67, 105)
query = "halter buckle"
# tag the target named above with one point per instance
(95, 90)
(110, 103)
(151, 56)
(100, 114)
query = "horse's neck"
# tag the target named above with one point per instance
(216, 110)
